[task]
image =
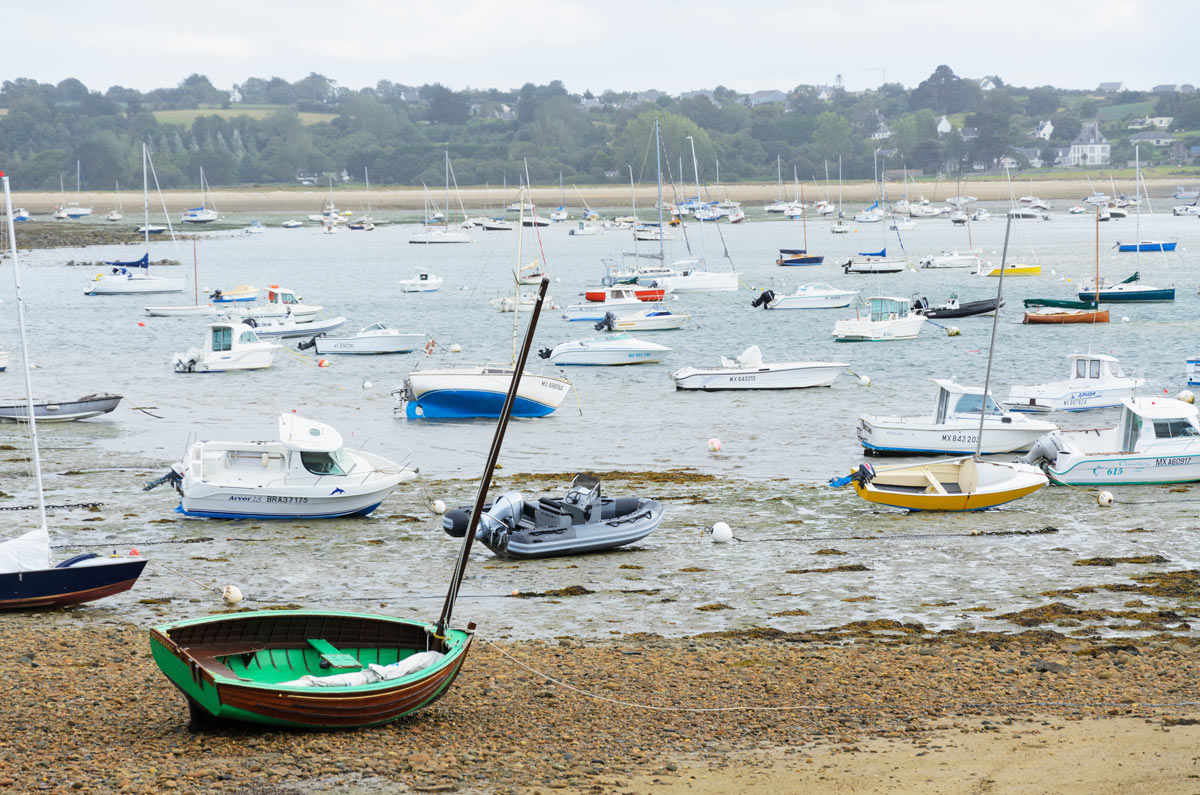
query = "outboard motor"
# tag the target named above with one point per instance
(545, 353)
(174, 476)
(215, 295)
(312, 343)
(1044, 451)
(764, 299)
(607, 323)
(862, 476)
(249, 321)
(846, 267)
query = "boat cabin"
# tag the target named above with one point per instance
(885, 308)
(224, 337)
(281, 295)
(1093, 368)
(956, 400)
(1151, 421)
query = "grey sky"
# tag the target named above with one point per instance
(618, 44)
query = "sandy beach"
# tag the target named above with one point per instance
(311, 200)
(851, 709)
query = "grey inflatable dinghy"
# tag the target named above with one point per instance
(582, 521)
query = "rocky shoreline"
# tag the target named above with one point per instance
(87, 710)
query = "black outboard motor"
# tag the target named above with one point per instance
(846, 267)
(215, 295)
(607, 323)
(312, 343)
(174, 476)
(249, 321)
(544, 353)
(764, 298)
(864, 474)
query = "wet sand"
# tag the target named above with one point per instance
(859, 709)
(310, 200)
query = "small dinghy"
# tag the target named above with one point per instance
(61, 411)
(582, 521)
(280, 302)
(375, 338)
(243, 293)
(748, 371)
(423, 282)
(305, 474)
(291, 327)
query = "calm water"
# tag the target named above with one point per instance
(778, 448)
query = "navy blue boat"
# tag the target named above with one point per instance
(84, 578)
(798, 256)
(1147, 245)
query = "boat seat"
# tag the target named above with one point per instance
(330, 654)
(935, 485)
(206, 656)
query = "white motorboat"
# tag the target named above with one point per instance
(227, 346)
(306, 474)
(617, 302)
(583, 228)
(1157, 441)
(980, 214)
(840, 227)
(818, 295)
(423, 282)
(874, 262)
(292, 224)
(890, 318)
(691, 277)
(748, 371)
(953, 427)
(1186, 209)
(375, 338)
(433, 234)
(277, 302)
(1024, 213)
(1096, 381)
(495, 225)
(612, 350)
(133, 278)
(652, 318)
(293, 327)
(871, 215)
(524, 302)
(952, 259)
(901, 224)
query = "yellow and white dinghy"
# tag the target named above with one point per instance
(953, 484)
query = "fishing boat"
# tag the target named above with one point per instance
(202, 214)
(889, 318)
(953, 309)
(423, 282)
(952, 428)
(278, 302)
(817, 295)
(580, 522)
(82, 408)
(1157, 441)
(653, 318)
(583, 228)
(748, 371)
(478, 390)
(281, 327)
(227, 346)
(622, 292)
(243, 293)
(375, 338)
(1095, 381)
(29, 578)
(956, 484)
(306, 474)
(612, 350)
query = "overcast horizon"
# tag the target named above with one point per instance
(1070, 45)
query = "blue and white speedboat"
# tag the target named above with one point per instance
(477, 391)
(613, 350)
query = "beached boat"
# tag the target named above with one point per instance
(28, 576)
(306, 474)
(375, 338)
(1095, 381)
(580, 522)
(889, 318)
(952, 428)
(477, 391)
(611, 350)
(423, 282)
(292, 224)
(227, 346)
(1157, 441)
(82, 408)
(748, 371)
(818, 295)
(959, 484)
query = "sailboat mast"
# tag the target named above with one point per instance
(658, 167)
(446, 202)
(987, 379)
(517, 272)
(696, 171)
(145, 198)
(804, 219)
(1137, 170)
(1097, 279)
(489, 467)
(367, 179)
(33, 440)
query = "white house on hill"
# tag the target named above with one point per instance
(944, 126)
(1090, 147)
(1044, 130)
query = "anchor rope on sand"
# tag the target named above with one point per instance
(1115, 501)
(52, 507)
(885, 707)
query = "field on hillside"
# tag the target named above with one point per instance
(186, 117)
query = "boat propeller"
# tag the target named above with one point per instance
(544, 353)
(607, 323)
(764, 299)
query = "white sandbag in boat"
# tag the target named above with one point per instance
(372, 673)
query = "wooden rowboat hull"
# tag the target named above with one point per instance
(232, 667)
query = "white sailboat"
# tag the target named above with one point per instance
(431, 233)
(117, 214)
(127, 278)
(204, 214)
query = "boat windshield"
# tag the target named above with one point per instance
(969, 404)
(334, 463)
(1174, 429)
(247, 337)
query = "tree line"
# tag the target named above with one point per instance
(399, 132)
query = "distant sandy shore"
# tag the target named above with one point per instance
(311, 200)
